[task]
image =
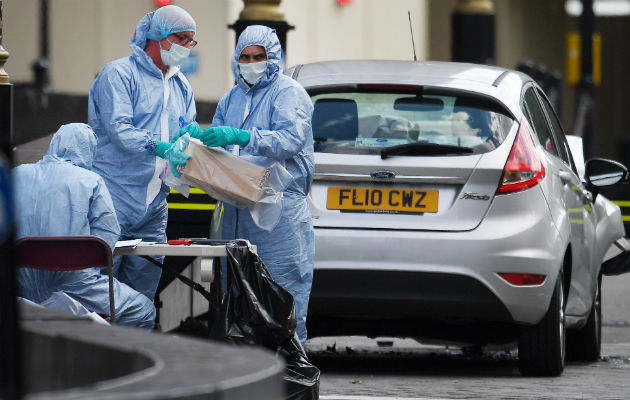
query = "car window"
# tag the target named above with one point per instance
(364, 119)
(558, 133)
(537, 119)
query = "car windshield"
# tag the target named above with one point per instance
(365, 119)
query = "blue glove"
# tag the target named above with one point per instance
(194, 130)
(220, 136)
(173, 154)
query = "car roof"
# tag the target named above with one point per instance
(500, 83)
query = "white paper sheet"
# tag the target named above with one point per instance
(128, 243)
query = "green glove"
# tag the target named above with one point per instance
(160, 148)
(220, 136)
(194, 130)
(173, 154)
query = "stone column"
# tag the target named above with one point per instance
(263, 12)
(472, 28)
(4, 55)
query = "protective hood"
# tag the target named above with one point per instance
(74, 143)
(259, 35)
(138, 43)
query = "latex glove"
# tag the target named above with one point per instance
(220, 136)
(194, 130)
(173, 154)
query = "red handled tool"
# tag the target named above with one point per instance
(188, 242)
(185, 242)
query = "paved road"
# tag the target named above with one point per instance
(356, 368)
(616, 300)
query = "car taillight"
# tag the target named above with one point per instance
(523, 279)
(523, 168)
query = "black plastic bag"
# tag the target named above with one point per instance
(301, 376)
(257, 311)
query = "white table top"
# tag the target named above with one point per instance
(163, 249)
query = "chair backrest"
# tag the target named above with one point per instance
(336, 119)
(67, 253)
(62, 253)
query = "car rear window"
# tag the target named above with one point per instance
(364, 119)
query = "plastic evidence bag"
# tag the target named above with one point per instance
(230, 179)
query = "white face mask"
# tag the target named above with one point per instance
(175, 55)
(252, 72)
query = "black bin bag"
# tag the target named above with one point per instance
(255, 310)
(301, 376)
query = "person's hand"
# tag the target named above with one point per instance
(173, 154)
(220, 136)
(193, 129)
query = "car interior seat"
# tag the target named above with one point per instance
(335, 119)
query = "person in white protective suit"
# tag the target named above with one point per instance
(60, 196)
(137, 104)
(267, 116)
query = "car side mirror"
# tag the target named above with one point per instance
(600, 172)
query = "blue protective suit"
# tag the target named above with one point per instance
(59, 196)
(131, 107)
(277, 112)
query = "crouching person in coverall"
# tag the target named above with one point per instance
(59, 196)
(267, 117)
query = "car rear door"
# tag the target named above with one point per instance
(570, 203)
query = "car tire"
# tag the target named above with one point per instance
(585, 344)
(541, 348)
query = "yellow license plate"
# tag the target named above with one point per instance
(382, 199)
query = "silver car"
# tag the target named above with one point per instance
(447, 205)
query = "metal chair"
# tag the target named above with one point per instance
(67, 253)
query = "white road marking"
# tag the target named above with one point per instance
(343, 397)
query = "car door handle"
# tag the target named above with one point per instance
(565, 176)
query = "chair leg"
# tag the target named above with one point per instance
(112, 306)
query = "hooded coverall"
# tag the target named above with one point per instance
(132, 105)
(277, 112)
(59, 196)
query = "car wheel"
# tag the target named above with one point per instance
(541, 348)
(585, 344)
